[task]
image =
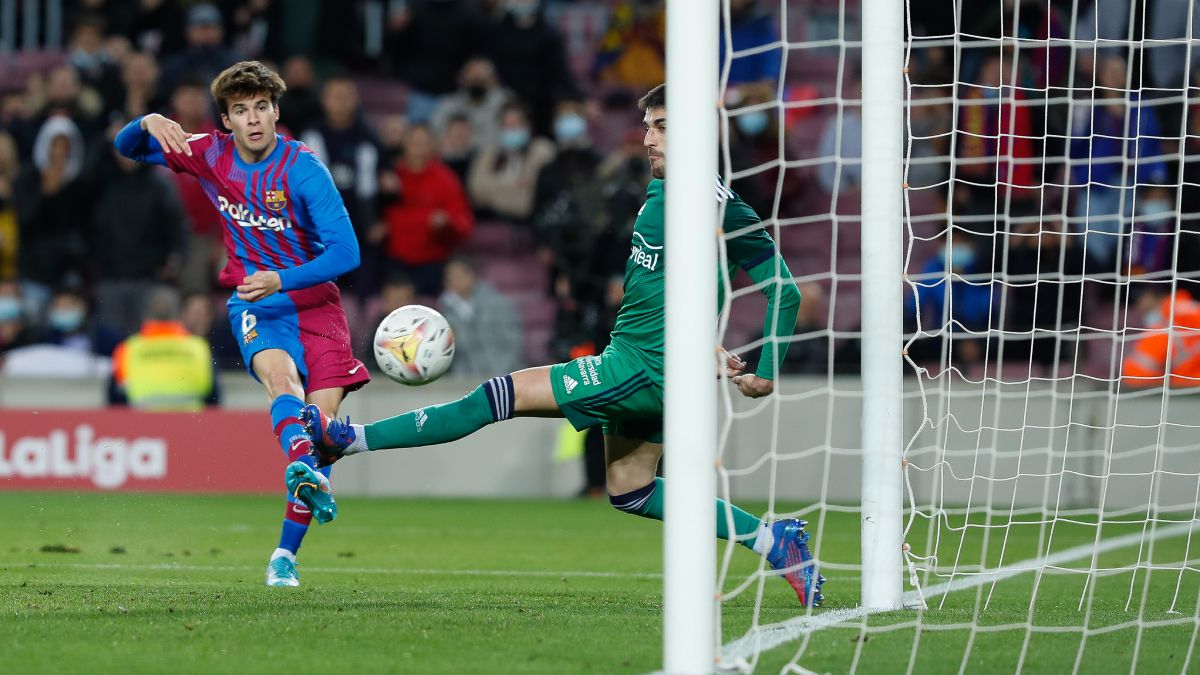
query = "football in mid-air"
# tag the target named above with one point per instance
(414, 345)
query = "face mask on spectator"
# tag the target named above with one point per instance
(570, 127)
(522, 9)
(753, 123)
(960, 258)
(66, 320)
(1154, 207)
(514, 139)
(476, 91)
(10, 309)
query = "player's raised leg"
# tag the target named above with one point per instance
(525, 393)
(308, 489)
(634, 488)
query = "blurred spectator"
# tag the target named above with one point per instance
(16, 119)
(632, 50)
(69, 325)
(392, 128)
(191, 107)
(66, 96)
(531, 60)
(487, 327)
(50, 219)
(751, 25)
(14, 329)
(455, 146)
(138, 235)
(10, 168)
(841, 139)
(1154, 230)
(570, 207)
(250, 27)
(1160, 64)
(623, 176)
(1031, 26)
(754, 142)
(479, 98)
(429, 218)
(1044, 273)
(995, 147)
(582, 328)
(95, 67)
(205, 55)
(139, 80)
(503, 177)
(941, 288)
(299, 107)
(930, 123)
(342, 140)
(163, 367)
(152, 25)
(427, 44)
(1172, 323)
(197, 316)
(1114, 147)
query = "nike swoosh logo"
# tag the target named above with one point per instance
(355, 369)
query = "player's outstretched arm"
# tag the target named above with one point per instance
(150, 138)
(783, 304)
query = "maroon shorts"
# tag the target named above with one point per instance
(310, 325)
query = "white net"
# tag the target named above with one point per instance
(1051, 257)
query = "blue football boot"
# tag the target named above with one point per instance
(790, 555)
(281, 571)
(312, 489)
(331, 437)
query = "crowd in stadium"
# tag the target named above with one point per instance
(489, 154)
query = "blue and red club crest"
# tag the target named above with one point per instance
(275, 200)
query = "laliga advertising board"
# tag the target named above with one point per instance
(123, 449)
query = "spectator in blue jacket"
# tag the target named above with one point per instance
(1114, 151)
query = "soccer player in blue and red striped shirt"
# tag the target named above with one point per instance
(288, 237)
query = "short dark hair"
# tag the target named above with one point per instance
(246, 79)
(655, 98)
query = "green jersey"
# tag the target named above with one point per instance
(639, 326)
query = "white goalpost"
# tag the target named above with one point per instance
(690, 396)
(991, 236)
(882, 318)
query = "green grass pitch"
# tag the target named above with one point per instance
(124, 583)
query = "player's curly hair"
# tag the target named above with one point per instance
(655, 98)
(243, 80)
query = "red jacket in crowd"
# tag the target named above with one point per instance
(430, 218)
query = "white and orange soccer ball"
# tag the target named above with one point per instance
(414, 345)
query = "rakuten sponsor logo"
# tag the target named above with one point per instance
(108, 462)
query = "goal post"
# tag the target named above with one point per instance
(690, 397)
(882, 311)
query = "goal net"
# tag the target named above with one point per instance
(1048, 442)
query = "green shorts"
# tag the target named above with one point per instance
(613, 390)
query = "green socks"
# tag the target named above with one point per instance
(647, 502)
(490, 402)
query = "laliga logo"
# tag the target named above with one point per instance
(108, 462)
(242, 215)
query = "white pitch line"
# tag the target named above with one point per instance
(334, 570)
(767, 638)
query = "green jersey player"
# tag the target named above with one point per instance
(622, 388)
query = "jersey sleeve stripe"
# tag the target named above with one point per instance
(758, 259)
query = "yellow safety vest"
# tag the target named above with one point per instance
(167, 372)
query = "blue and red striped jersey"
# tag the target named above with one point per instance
(282, 213)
